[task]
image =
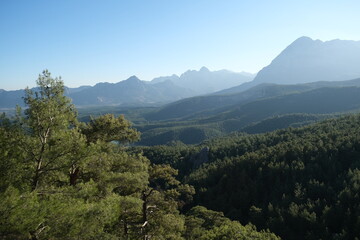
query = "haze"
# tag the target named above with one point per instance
(90, 41)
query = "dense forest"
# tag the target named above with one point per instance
(301, 183)
(65, 179)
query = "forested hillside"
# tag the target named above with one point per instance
(227, 100)
(300, 183)
(208, 105)
(239, 117)
(63, 179)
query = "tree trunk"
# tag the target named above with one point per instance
(144, 214)
(35, 181)
(126, 230)
(36, 177)
(144, 207)
(73, 176)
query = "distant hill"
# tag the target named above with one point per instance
(204, 106)
(318, 101)
(74, 90)
(205, 81)
(130, 91)
(208, 105)
(257, 115)
(285, 121)
(9, 99)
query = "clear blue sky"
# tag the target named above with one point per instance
(88, 41)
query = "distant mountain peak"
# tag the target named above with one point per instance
(133, 78)
(303, 39)
(204, 69)
(301, 42)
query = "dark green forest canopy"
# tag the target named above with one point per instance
(301, 183)
(63, 179)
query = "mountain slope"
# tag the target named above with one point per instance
(194, 107)
(318, 101)
(307, 60)
(9, 99)
(203, 106)
(241, 117)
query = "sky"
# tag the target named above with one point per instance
(88, 41)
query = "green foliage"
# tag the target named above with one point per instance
(284, 121)
(21, 214)
(48, 108)
(204, 224)
(108, 128)
(11, 155)
(55, 184)
(50, 137)
(188, 134)
(177, 155)
(195, 132)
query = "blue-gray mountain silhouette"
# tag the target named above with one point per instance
(134, 91)
(205, 81)
(307, 60)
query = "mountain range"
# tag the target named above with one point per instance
(130, 91)
(205, 81)
(135, 92)
(303, 61)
